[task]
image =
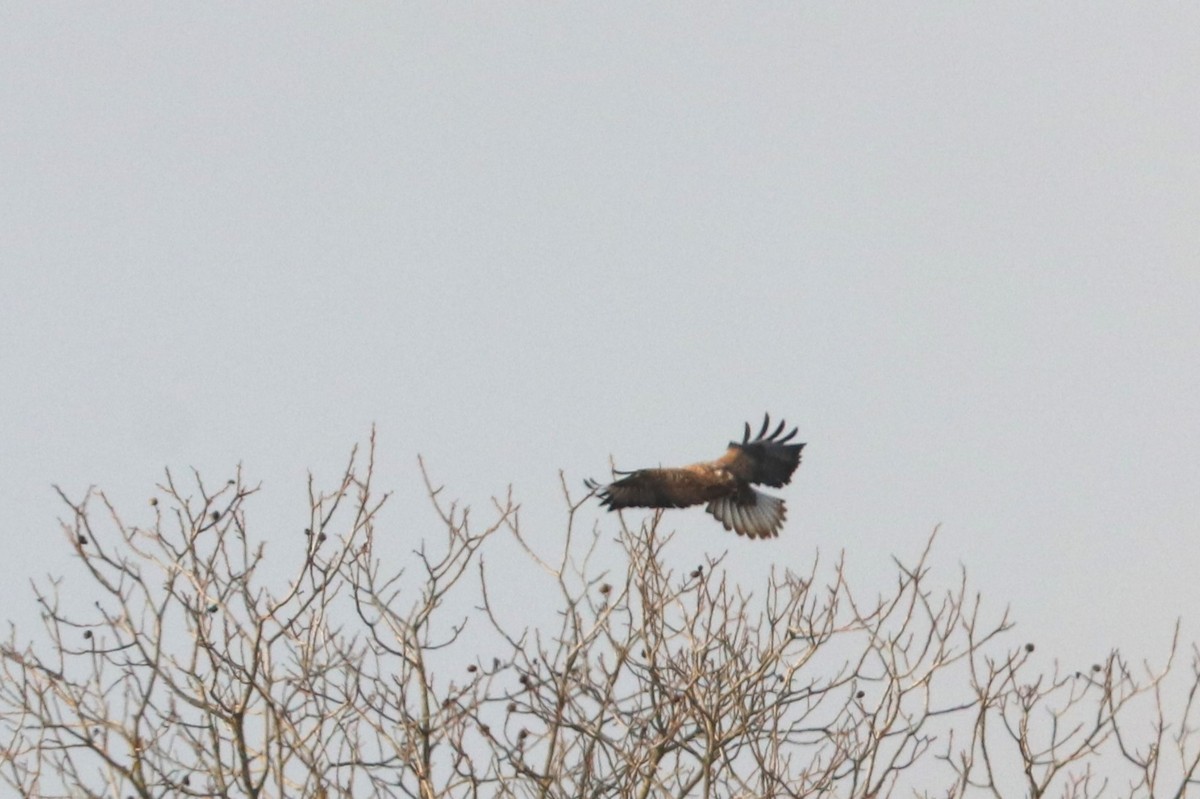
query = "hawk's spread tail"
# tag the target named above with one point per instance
(750, 513)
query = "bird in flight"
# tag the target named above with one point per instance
(726, 484)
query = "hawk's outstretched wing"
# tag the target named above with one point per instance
(658, 488)
(767, 460)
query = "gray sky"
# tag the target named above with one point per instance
(957, 244)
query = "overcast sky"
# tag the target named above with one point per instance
(957, 244)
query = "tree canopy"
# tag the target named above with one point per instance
(196, 673)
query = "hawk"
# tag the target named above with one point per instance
(726, 484)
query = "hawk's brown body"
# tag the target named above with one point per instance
(725, 484)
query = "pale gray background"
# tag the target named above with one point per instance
(958, 244)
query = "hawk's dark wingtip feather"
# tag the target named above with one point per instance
(774, 436)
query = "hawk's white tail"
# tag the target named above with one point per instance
(757, 515)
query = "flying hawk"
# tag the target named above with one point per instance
(725, 484)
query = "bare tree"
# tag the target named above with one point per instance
(201, 670)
